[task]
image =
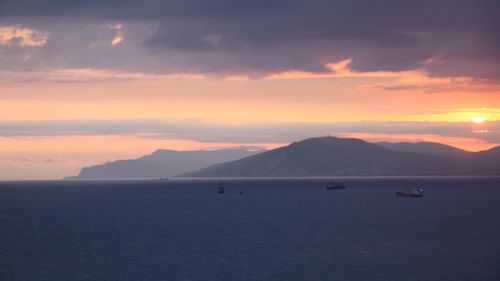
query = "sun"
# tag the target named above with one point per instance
(478, 119)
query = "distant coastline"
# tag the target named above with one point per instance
(322, 157)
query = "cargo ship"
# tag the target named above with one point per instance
(335, 185)
(411, 192)
(220, 189)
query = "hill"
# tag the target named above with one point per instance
(161, 163)
(432, 148)
(331, 156)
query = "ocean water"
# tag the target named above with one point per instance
(281, 229)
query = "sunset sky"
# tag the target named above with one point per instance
(85, 82)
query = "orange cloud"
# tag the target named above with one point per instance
(118, 39)
(87, 75)
(22, 36)
(411, 80)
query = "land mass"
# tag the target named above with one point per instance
(331, 156)
(161, 164)
(322, 156)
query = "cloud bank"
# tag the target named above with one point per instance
(249, 133)
(449, 38)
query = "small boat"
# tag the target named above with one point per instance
(335, 185)
(410, 192)
(220, 189)
(164, 179)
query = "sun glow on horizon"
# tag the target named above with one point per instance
(478, 120)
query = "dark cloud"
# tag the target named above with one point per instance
(261, 37)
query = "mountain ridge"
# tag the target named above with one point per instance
(331, 156)
(160, 163)
(320, 156)
(432, 148)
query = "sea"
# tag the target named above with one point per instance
(259, 229)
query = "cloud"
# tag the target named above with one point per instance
(31, 160)
(118, 38)
(84, 75)
(449, 38)
(244, 133)
(414, 80)
(421, 81)
(17, 35)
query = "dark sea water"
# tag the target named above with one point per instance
(278, 230)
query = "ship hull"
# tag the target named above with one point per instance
(403, 194)
(335, 188)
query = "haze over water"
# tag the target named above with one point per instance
(279, 229)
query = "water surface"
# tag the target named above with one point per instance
(280, 229)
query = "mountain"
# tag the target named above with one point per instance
(432, 148)
(161, 163)
(491, 156)
(331, 156)
(492, 152)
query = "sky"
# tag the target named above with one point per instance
(85, 82)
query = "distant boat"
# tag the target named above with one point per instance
(164, 179)
(335, 185)
(220, 189)
(410, 192)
